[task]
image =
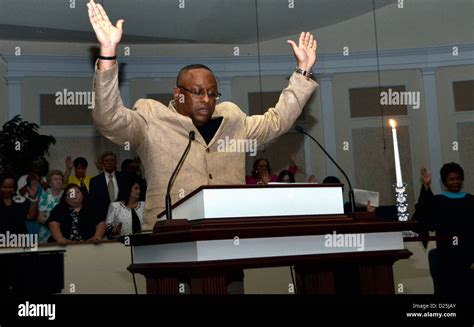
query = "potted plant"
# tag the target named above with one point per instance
(20, 143)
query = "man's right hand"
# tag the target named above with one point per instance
(107, 34)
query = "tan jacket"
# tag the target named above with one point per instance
(159, 134)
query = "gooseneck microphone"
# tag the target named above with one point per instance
(175, 173)
(301, 130)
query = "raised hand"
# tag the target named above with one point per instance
(33, 189)
(305, 51)
(370, 208)
(69, 163)
(99, 164)
(292, 158)
(107, 34)
(425, 177)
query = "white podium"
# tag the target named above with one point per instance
(220, 229)
(211, 202)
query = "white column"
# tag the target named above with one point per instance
(225, 88)
(329, 126)
(14, 96)
(434, 140)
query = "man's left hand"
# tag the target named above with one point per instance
(305, 51)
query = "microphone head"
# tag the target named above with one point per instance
(299, 129)
(192, 135)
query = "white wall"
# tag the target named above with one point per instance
(457, 126)
(279, 150)
(79, 140)
(347, 73)
(372, 173)
(139, 88)
(421, 23)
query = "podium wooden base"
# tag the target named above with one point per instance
(196, 243)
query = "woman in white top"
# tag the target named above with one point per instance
(125, 216)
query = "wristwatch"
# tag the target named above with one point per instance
(305, 73)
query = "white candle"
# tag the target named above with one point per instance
(398, 169)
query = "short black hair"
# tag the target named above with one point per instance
(255, 165)
(125, 163)
(126, 190)
(41, 164)
(283, 173)
(83, 190)
(80, 161)
(107, 154)
(7, 175)
(187, 68)
(331, 180)
(449, 168)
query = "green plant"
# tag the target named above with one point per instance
(20, 143)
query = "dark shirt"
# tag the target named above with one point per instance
(89, 217)
(453, 221)
(210, 129)
(99, 193)
(13, 217)
(449, 218)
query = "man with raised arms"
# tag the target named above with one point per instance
(159, 133)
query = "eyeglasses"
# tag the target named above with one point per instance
(200, 94)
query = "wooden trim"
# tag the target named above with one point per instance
(376, 279)
(45, 245)
(387, 257)
(218, 229)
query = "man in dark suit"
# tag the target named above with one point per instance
(104, 188)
